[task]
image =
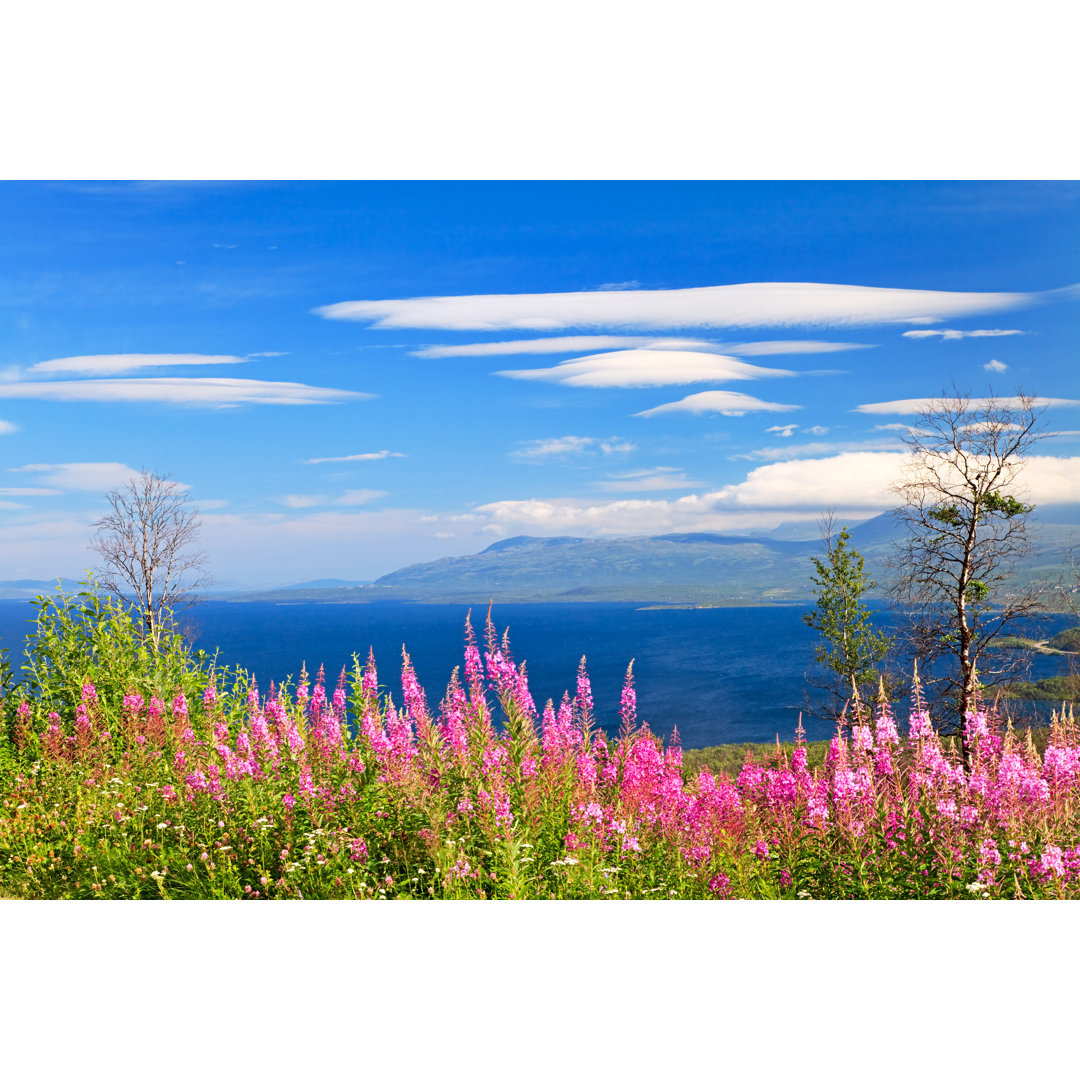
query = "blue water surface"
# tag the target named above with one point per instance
(717, 674)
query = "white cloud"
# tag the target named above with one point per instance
(661, 478)
(776, 348)
(301, 502)
(619, 285)
(180, 391)
(956, 335)
(558, 345)
(646, 367)
(96, 476)
(352, 497)
(789, 452)
(253, 355)
(122, 362)
(358, 496)
(745, 305)
(7, 428)
(374, 455)
(567, 445)
(783, 431)
(725, 402)
(995, 365)
(817, 429)
(910, 406)
(27, 492)
(855, 483)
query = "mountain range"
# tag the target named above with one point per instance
(674, 568)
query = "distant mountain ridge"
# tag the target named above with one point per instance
(673, 568)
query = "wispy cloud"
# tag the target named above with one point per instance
(7, 428)
(180, 391)
(582, 342)
(559, 345)
(83, 475)
(725, 402)
(22, 492)
(352, 497)
(756, 304)
(995, 365)
(782, 431)
(660, 478)
(778, 348)
(910, 406)
(646, 367)
(536, 450)
(115, 364)
(793, 451)
(956, 335)
(373, 455)
(358, 496)
(301, 502)
(619, 286)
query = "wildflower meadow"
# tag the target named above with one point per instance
(131, 772)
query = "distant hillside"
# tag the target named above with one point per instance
(28, 588)
(676, 568)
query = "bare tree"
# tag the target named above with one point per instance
(967, 530)
(148, 543)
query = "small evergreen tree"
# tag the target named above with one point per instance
(852, 649)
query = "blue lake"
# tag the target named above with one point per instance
(719, 674)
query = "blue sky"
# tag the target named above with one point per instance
(602, 358)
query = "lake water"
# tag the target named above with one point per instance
(719, 674)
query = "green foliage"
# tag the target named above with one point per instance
(1067, 640)
(86, 638)
(1056, 688)
(852, 648)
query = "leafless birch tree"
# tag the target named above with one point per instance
(967, 531)
(148, 545)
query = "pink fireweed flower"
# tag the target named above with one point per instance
(628, 702)
(318, 697)
(155, 711)
(720, 885)
(860, 737)
(54, 737)
(583, 700)
(975, 726)
(413, 694)
(210, 694)
(798, 756)
(89, 694)
(988, 853)
(885, 733)
(369, 683)
(358, 850)
(761, 850)
(180, 707)
(399, 733)
(452, 719)
(196, 780)
(919, 725)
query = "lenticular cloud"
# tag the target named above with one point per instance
(746, 305)
(646, 367)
